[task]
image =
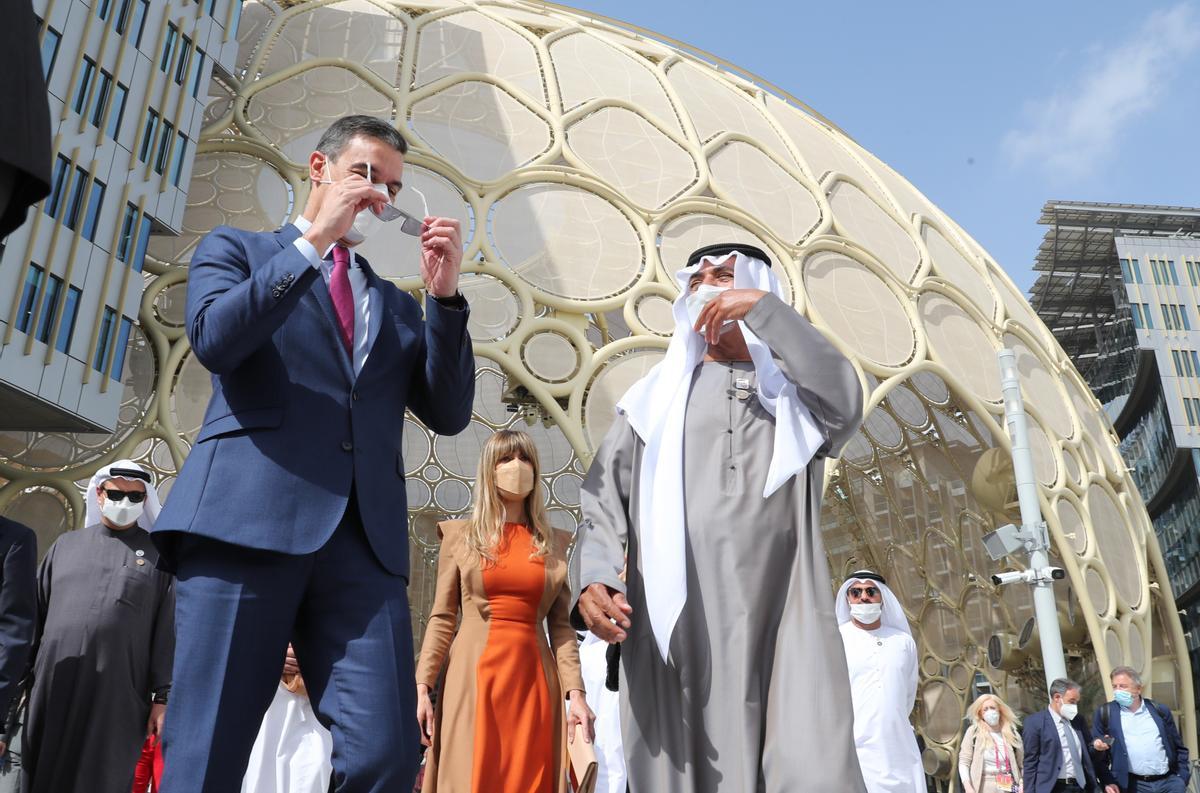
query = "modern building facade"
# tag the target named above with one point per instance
(1120, 289)
(128, 82)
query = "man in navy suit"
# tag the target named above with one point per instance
(1146, 753)
(1058, 745)
(288, 521)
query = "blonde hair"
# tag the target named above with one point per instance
(1008, 719)
(485, 527)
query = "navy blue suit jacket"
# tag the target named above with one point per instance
(1043, 752)
(1114, 764)
(290, 430)
(18, 610)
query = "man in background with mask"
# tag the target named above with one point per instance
(882, 659)
(288, 520)
(1058, 745)
(103, 643)
(1139, 750)
(711, 477)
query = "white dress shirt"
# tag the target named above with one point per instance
(1068, 767)
(1143, 742)
(358, 287)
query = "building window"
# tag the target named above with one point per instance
(164, 147)
(212, 8)
(108, 332)
(1183, 316)
(92, 214)
(1196, 362)
(122, 345)
(1174, 272)
(1136, 310)
(1187, 405)
(49, 309)
(148, 136)
(62, 167)
(1166, 310)
(139, 253)
(101, 101)
(1126, 273)
(102, 8)
(125, 241)
(75, 202)
(50, 42)
(33, 282)
(1137, 271)
(181, 63)
(1146, 314)
(85, 82)
(1178, 366)
(123, 16)
(180, 152)
(197, 72)
(140, 9)
(66, 328)
(168, 47)
(1154, 271)
(113, 130)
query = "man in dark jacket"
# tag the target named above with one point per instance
(18, 611)
(1058, 745)
(1139, 747)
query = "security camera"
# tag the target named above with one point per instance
(1057, 573)
(1008, 577)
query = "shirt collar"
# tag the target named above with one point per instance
(304, 224)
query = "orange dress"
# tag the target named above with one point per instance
(500, 715)
(514, 717)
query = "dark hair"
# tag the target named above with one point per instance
(346, 128)
(1061, 686)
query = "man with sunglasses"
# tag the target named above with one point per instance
(288, 520)
(882, 660)
(103, 643)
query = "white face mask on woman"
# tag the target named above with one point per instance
(991, 716)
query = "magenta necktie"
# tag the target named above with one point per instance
(343, 295)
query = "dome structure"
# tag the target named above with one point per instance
(586, 159)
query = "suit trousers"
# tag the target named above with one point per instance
(348, 619)
(1172, 784)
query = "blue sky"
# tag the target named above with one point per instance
(989, 109)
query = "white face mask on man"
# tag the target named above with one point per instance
(697, 300)
(866, 613)
(366, 222)
(122, 513)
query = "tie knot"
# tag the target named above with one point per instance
(341, 256)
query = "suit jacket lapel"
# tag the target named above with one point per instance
(319, 291)
(374, 303)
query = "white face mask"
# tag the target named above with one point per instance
(366, 222)
(1069, 711)
(696, 301)
(991, 716)
(866, 613)
(121, 513)
(515, 478)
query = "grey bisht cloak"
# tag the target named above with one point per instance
(756, 697)
(104, 645)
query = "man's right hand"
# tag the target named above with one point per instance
(606, 612)
(344, 200)
(1111, 789)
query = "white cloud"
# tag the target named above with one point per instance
(1071, 132)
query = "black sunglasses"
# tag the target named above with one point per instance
(866, 591)
(116, 495)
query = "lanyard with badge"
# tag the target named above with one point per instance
(1004, 779)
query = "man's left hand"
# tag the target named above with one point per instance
(441, 256)
(732, 304)
(1111, 789)
(154, 726)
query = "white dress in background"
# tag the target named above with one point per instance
(291, 753)
(610, 755)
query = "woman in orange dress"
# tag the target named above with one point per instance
(499, 725)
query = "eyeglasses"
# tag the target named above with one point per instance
(117, 495)
(860, 592)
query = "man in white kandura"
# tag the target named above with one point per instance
(882, 658)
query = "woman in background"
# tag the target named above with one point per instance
(499, 723)
(989, 760)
